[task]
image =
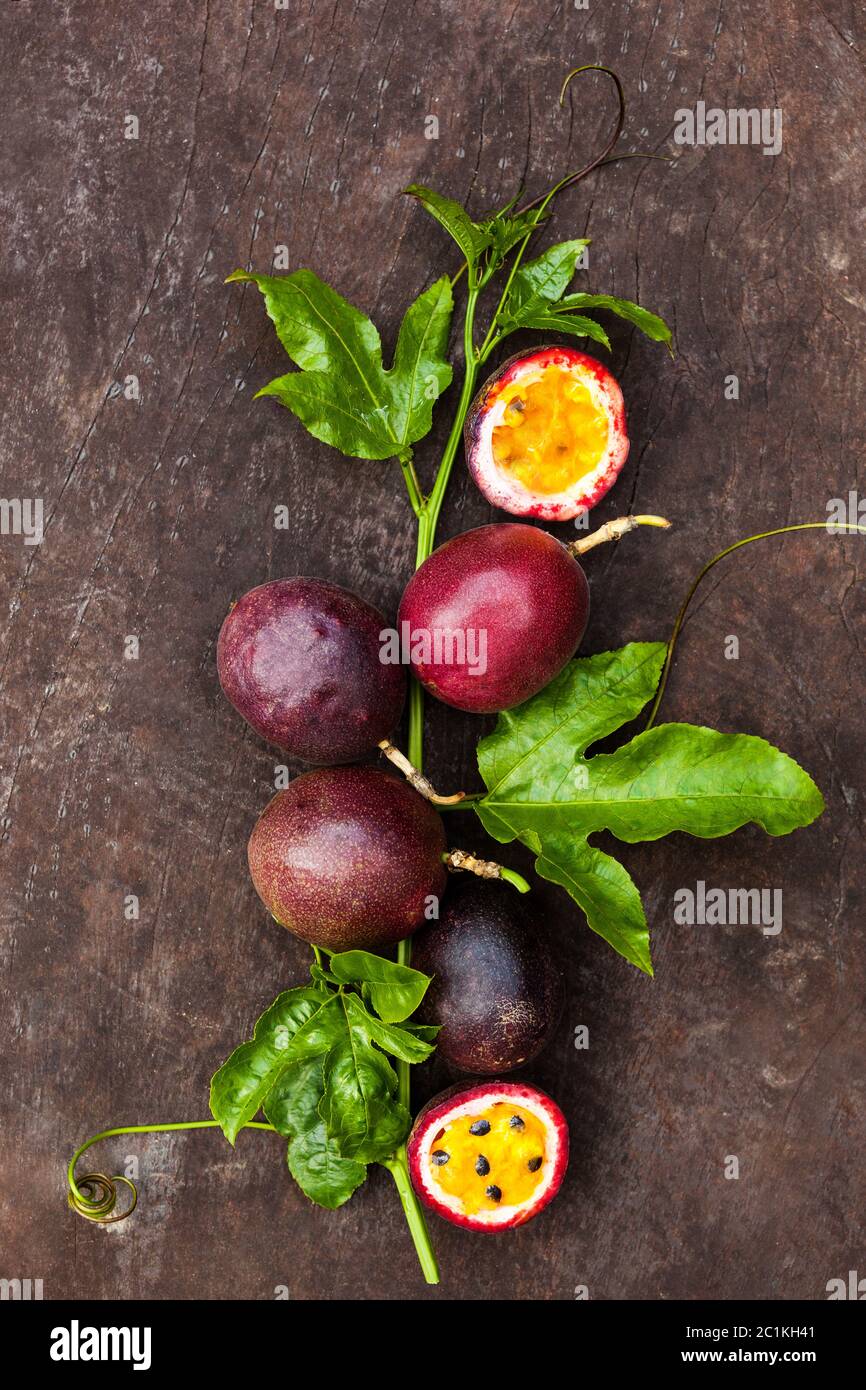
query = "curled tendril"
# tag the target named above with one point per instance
(838, 528)
(605, 156)
(94, 1196)
(579, 174)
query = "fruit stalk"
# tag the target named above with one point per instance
(417, 779)
(614, 531)
(459, 860)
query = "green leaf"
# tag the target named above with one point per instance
(421, 371)
(292, 1106)
(334, 413)
(359, 1105)
(316, 1066)
(395, 991)
(648, 323)
(507, 231)
(534, 298)
(540, 282)
(319, 1169)
(400, 1042)
(343, 394)
(427, 1032)
(579, 325)
(472, 238)
(320, 976)
(301, 1023)
(314, 1159)
(546, 792)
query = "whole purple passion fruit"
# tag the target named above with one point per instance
(493, 615)
(300, 660)
(497, 991)
(348, 857)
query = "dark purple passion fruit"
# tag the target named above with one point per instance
(497, 990)
(493, 615)
(348, 857)
(300, 660)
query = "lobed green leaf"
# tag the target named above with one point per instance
(343, 394)
(544, 790)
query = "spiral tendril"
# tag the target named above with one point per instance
(94, 1195)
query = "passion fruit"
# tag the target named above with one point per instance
(493, 615)
(497, 991)
(300, 660)
(546, 434)
(348, 857)
(490, 1155)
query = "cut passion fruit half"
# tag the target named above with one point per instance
(546, 434)
(489, 1155)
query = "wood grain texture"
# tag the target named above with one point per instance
(260, 127)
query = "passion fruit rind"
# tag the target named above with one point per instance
(462, 1101)
(348, 858)
(496, 990)
(508, 492)
(504, 583)
(301, 661)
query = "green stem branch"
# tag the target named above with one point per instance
(428, 517)
(398, 1167)
(413, 487)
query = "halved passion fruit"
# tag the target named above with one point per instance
(489, 1155)
(546, 434)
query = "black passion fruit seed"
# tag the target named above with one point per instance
(494, 1192)
(480, 1127)
(439, 1157)
(516, 1123)
(533, 1164)
(482, 1167)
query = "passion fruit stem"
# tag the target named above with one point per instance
(398, 1167)
(413, 487)
(458, 860)
(614, 531)
(417, 779)
(831, 527)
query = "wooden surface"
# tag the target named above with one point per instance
(260, 127)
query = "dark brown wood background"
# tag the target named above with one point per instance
(260, 127)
